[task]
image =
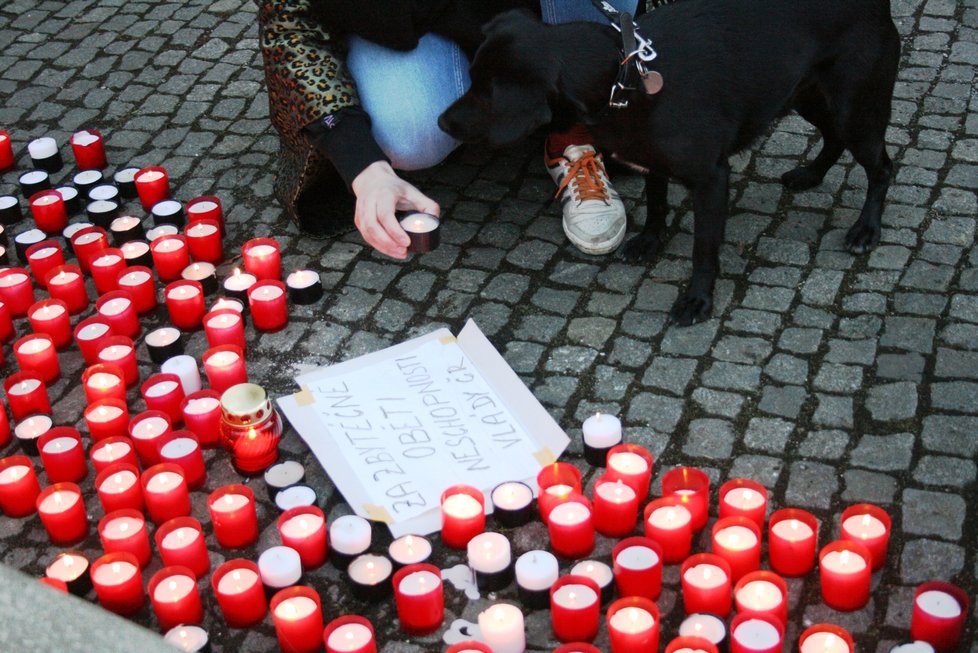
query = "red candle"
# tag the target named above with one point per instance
(62, 512)
(170, 256)
(118, 488)
(36, 352)
(111, 451)
(706, 584)
(202, 416)
(738, 541)
(138, 282)
(185, 302)
(224, 326)
(692, 486)
(50, 316)
(354, 634)
(304, 529)
(180, 541)
(165, 492)
(792, 538)
(119, 312)
(48, 209)
(826, 638)
(89, 150)
(146, 430)
(267, 302)
(70, 568)
(29, 430)
(121, 352)
(741, 497)
(6, 324)
(557, 483)
(298, 616)
(762, 593)
(233, 516)
(463, 515)
(685, 644)
(6, 151)
(175, 597)
(43, 257)
(939, 613)
(633, 625)
(572, 528)
(638, 567)
(262, 258)
(102, 381)
(845, 569)
(16, 290)
(632, 464)
(615, 507)
(237, 586)
(225, 367)
(569, 647)
(124, 530)
(754, 634)
(668, 522)
(65, 282)
(87, 243)
(62, 455)
(181, 448)
(118, 584)
(19, 487)
(164, 392)
(204, 239)
(4, 427)
(106, 266)
(27, 395)
(152, 186)
(206, 207)
(575, 608)
(420, 598)
(870, 526)
(88, 334)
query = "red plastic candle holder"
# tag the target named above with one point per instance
(225, 367)
(121, 352)
(180, 541)
(420, 598)
(181, 448)
(792, 540)
(940, 610)
(185, 303)
(49, 211)
(826, 638)
(668, 522)
(124, 530)
(7, 331)
(637, 565)
(240, 595)
(224, 326)
(88, 334)
(19, 486)
(103, 381)
(118, 583)
(738, 541)
(170, 256)
(50, 316)
(355, 634)
(175, 597)
(202, 416)
(6, 151)
(298, 617)
(268, 305)
(105, 267)
(845, 570)
(691, 644)
(139, 283)
(27, 395)
(16, 290)
(43, 257)
(62, 511)
(569, 647)
(615, 507)
(870, 526)
(36, 352)
(304, 529)
(692, 486)
(557, 483)
(463, 515)
(232, 510)
(89, 150)
(756, 634)
(575, 615)
(762, 593)
(262, 258)
(87, 243)
(63, 455)
(165, 492)
(571, 528)
(204, 240)
(111, 451)
(206, 207)
(706, 584)
(633, 625)
(632, 464)
(117, 309)
(152, 186)
(742, 497)
(4, 427)
(164, 392)
(146, 431)
(118, 488)
(66, 283)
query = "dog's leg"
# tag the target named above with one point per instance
(864, 235)
(645, 245)
(813, 107)
(710, 207)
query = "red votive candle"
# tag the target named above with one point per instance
(792, 539)
(298, 617)
(237, 586)
(845, 569)
(754, 634)
(669, 523)
(870, 526)
(638, 567)
(175, 597)
(826, 638)
(119, 312)
(62, 455)
(572, 528)
(43, 257)
(71, 569)
(633, 625)
(185, 302)
(463, 515)
(87, 243)
(420, 598)
(692, 486)
(939, 613)
(48, 209)
(102, 381)
(111, 451)
(105, 268)
(62, 511)
(89, 150)
(181, 448)
(267, 302)
(6, 151)
(138, 282)
(569, 647)
(27, 395)
(304, 529)
(575, 608)
(615, 507)
(354, 634)
(146, 430)
(121, 352)
(557, 483)
(180, 541)
(4, 427)
(118, 488)
(738, 541)
(16, 290)
(118, 583)
(88, 334)
(631, 464)
(164, 392)
(19, 486)
(224, 326)
(742, 497)
(232, 510)
(706, 584)
(262, 258)
(6, 324)
(206, 207)
(152, 186)
(165, 492)
(29, 430)
(125, 531)
(66, 283)
(36, 352)
(687, 644)
(225, 367)
(762, 593)
(170, 256)
(202, 416)
(204, 240)
(50, 316)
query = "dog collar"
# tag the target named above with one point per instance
(636, 52)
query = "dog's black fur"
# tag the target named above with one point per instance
(730, 67)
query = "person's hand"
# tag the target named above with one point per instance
(379, 193)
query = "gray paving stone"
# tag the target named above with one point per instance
(811, 485)
(828, 445)
(732, 376)
(709, 438)
(590, 331)
(831, 410)
(672, 374)
(958, 396)
(945, 470)
(892, 401)
(768, 434)
(932, 513)
(661, 413)
(715, 402)
(786, 401)
(924, 560)
(832, 377)
(862, 486)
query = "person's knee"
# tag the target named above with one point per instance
(412, 144)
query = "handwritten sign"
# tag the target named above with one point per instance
(394, 428)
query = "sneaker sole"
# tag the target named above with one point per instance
(604, 247)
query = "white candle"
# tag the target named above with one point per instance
(59, 501)
(107, 260)
(369, 569)
(90, 237)
(178, 538)
(601, 431)
(161, 389)
(182, 292)
(230, 502)
(162, 337)
(178, 448)
(161, 231)
(166, 208)
(13, 474)
(939, 604)
(33, 177)
(262, 250)
(759, 595)
(223, 321)
(349, 534)
(631, 620)
(637, 558)
(302, 526)
(120, 528)
(115, 352)
(163, 482)
(43, 253)
(559, 490)
(201, 406)
(114, 573)
(418, 583)
(843, 562)
(537, 570)
(174, 588)
(148, 428)
(115, 306)
(90, 331)
(149, 176)
(597, 571)
(44, 200)
(267, 293)
(707, 626)
(25, 387)
(349, 637)
(461, 506)
(757, 635)
(864, 527)
(134, 249)
(295, 496)
(34, 346)
(103, 380)
(913, 647)
(615, 492)
(280, 566)
(512, 495)
(736, 538)
(705, 576)
(297, 607)
(118, 483)
(792, 530)
(64, 277)
(489, 553)
(223, 358)
(42, 148)
(743, 498)
(169, 245)
(110, 451)
(203, 206)
(574, 596)
(502, 628)
(237, 581)
(240, 281)
(302, 279)
(33, 427)
(670, 517)
(409, 549)
(186, 368)
(48, 312)
(67, 567)
(569, 514)
(626, 462)
(824, 643)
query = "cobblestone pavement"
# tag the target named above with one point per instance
(829, 378)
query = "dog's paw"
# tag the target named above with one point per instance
(861, 238)
(801, 178)
(641, 249)
(691, 308)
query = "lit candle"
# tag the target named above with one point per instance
(225, 367)
(125, 531)
(305, 287)
(409, 550)
(202, 416)
(462, 515)
(62, 513)
(557, 483)
(571, 528)
(29, 431)
(298, 617)
(423, 230)
(152, 185)
(600, 433)
(575, 611)
(204, 273)
(49, 211)
(239, 592)
(233, 516)
(146, 431)
(118, 584)
(112, 450)
(825, 638)
(137, 253)
(89, 333)
(120, 351)
(188, 639)
(743, 497)
(238, 283)
(185, 303)
(26, 394)
(738, 541)
(633, 625)
(165, 492)
(420, 598)
(512, 503)
(846, 575)
(632, 464)
(638, 567)
(692, 487)
(304, 530)
(36, 353)
(182, 449)
(669, 523)
(792, 541)
(370, 577)
(19, 486)
(751, 634)
(43, 257)
(105, 268)
(204, 239)
(266, 300)
(870, 526)
(138, 281)
(104, 381)
(705, 626)
(118, 488)
(118, 310)
(180, 542)
(490, 558)
(349, 634)
(600, 573)
(71, 567)
(224, 327)
(502, 628)
(762, 593)
(62, 455)
(126, 228)
(87, 243)
(536, 572)
(6, 151)
(706, 584)
(164, 392)
(615, 507)
(163, 344)
(262, 258)
(170, 256)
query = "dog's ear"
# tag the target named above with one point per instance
(518, 109)
(507, 20)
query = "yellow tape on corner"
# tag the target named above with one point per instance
(378, 513)
(545, 457)
(304, 397)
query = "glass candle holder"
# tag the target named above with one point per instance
(250, 428)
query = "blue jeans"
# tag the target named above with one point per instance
(405, 92)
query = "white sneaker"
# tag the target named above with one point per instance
(594, 216)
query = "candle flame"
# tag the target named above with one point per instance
(589, 568)
(572, 597)
(865, 520)
(61, 276)
(101, 413)
(237, 272)
(409, 541)
(829, 641)
(57, 498)
(108, 451)
(183, 634)
(23, 386)
(69, 561)
(196, 267)
(180, 536)
(370, 566)
(236, 575)
(45, 310)
(748, 495)
(116, 568)
(697, 627)
(633, 615)
(291, 610)
(707, 573)
(172, 585)
(734, 539)
(124, 526)
(844, 558)
(670, 515)
(303, 525)
(228, 500)
(252, 434)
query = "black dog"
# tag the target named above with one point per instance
(729, 68)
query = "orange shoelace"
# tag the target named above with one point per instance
(587, 170)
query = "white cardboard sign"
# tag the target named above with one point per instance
(395, 428)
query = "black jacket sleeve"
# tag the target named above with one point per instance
(345, 138)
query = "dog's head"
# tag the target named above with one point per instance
(515, 84)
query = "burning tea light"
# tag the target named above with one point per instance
(463, 515)
(71, 567)
(232, 510)
(304, 530)
(125, 531)
(669, 523)
(30, 430)
(870, 526)
(136, 253)
(574, 609)
(119, 489)
(633, 625)
(825, 638)
(298, 617)
(490, 559)
(420, 598)
(846, 575)
(152, 186)
(305, 287)
(19, 486)
(743, 498)
(350, 634)
(168, 212)
(267, 302)
(632, 464)
(370, 577)
(204, 240)
(262, 258)
(600, 573)
(164, 343)
(571, 528)
(409, 550)
(238, 284)
(180, 541)
(188, 639)
(237, 586)
(512, 504)
(423, 230)
(118, 584)
(792, 541)
(762, 593)
(165, 492)
(502, 628)
(62, 512)
(738, 541)
(638, 567)
(755, 635)
(706, 584)
(615, 507)
(126, 228)
(600, 432)
(704, 626)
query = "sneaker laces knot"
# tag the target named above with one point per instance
(588, 171)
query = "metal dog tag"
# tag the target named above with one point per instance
(652, 81)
